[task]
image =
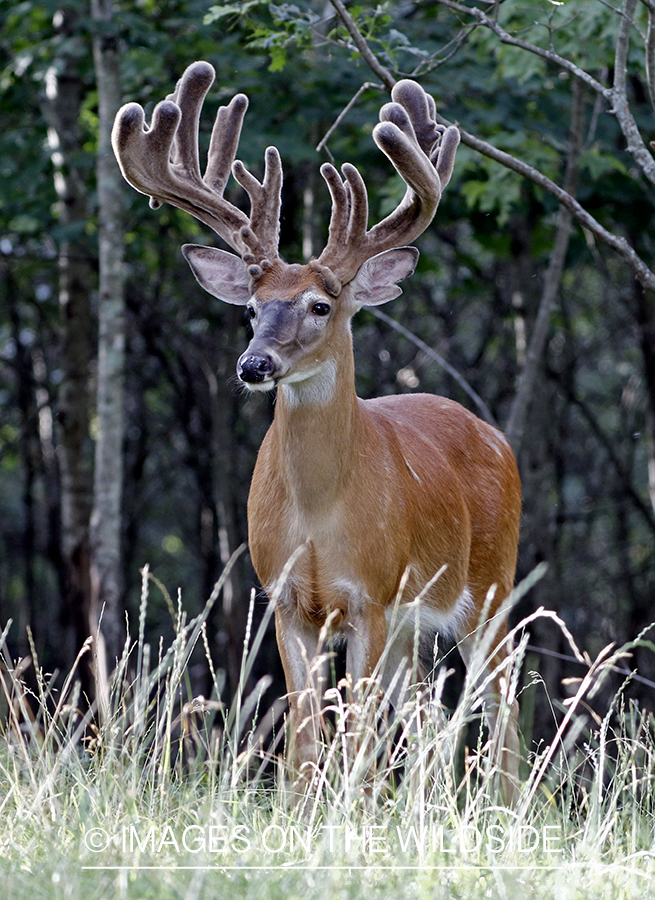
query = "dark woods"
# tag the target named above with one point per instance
(545, 319)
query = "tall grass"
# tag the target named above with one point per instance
(164, 794)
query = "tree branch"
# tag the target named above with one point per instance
(618, 244)
(614, 96)
(506, 38)
(605, 442)
(461, 381)
(650, 53)
(622, 46)
(368, 56)
(344, 112)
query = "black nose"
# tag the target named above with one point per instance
(255, 369)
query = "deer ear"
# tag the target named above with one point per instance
(376, 282)
(222, 274)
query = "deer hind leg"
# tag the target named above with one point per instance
(501, 712)
(403, 666)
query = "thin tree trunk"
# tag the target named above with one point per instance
(62, 109)
(107, 574)
(28, 452)
(645, 316)
(518, 415)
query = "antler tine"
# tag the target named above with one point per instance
(422, 152)
(224, 142)
(263, 236)
(189, 95)
(163, 161)
(358, 202)
(348, 220)
(340, 201)
(420, 108)
(437, 142)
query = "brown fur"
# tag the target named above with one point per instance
(282, 281)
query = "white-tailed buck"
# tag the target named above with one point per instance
(379, 494)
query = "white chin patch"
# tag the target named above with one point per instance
(260, 386)
(315, 386)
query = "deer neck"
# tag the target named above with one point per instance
(317, 426)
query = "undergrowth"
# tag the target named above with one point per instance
(155, 792)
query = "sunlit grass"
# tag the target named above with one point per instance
(162, 794)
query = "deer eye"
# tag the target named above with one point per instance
(251, 312)
(321, 309)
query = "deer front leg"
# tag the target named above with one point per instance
(304, 673)
(366, 631)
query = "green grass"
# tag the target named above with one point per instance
(172, 796)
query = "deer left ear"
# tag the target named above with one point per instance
(222, 274)
(376, 282)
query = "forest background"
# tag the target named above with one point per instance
(123, 439)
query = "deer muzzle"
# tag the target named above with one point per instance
(255, 369)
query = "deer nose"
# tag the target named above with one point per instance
(255, 369)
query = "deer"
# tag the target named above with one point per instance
(357, 504)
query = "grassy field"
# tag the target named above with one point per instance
(175, 796)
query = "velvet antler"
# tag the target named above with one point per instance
(163, 162)
(423, 154)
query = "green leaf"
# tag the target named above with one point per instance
(278, 59)
(598, 163)
(216, 13)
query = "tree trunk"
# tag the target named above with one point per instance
(28, 453)
(518, 415)
(62, 109)
(107, 574)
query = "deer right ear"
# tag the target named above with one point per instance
(376, 282)
(220, 273)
